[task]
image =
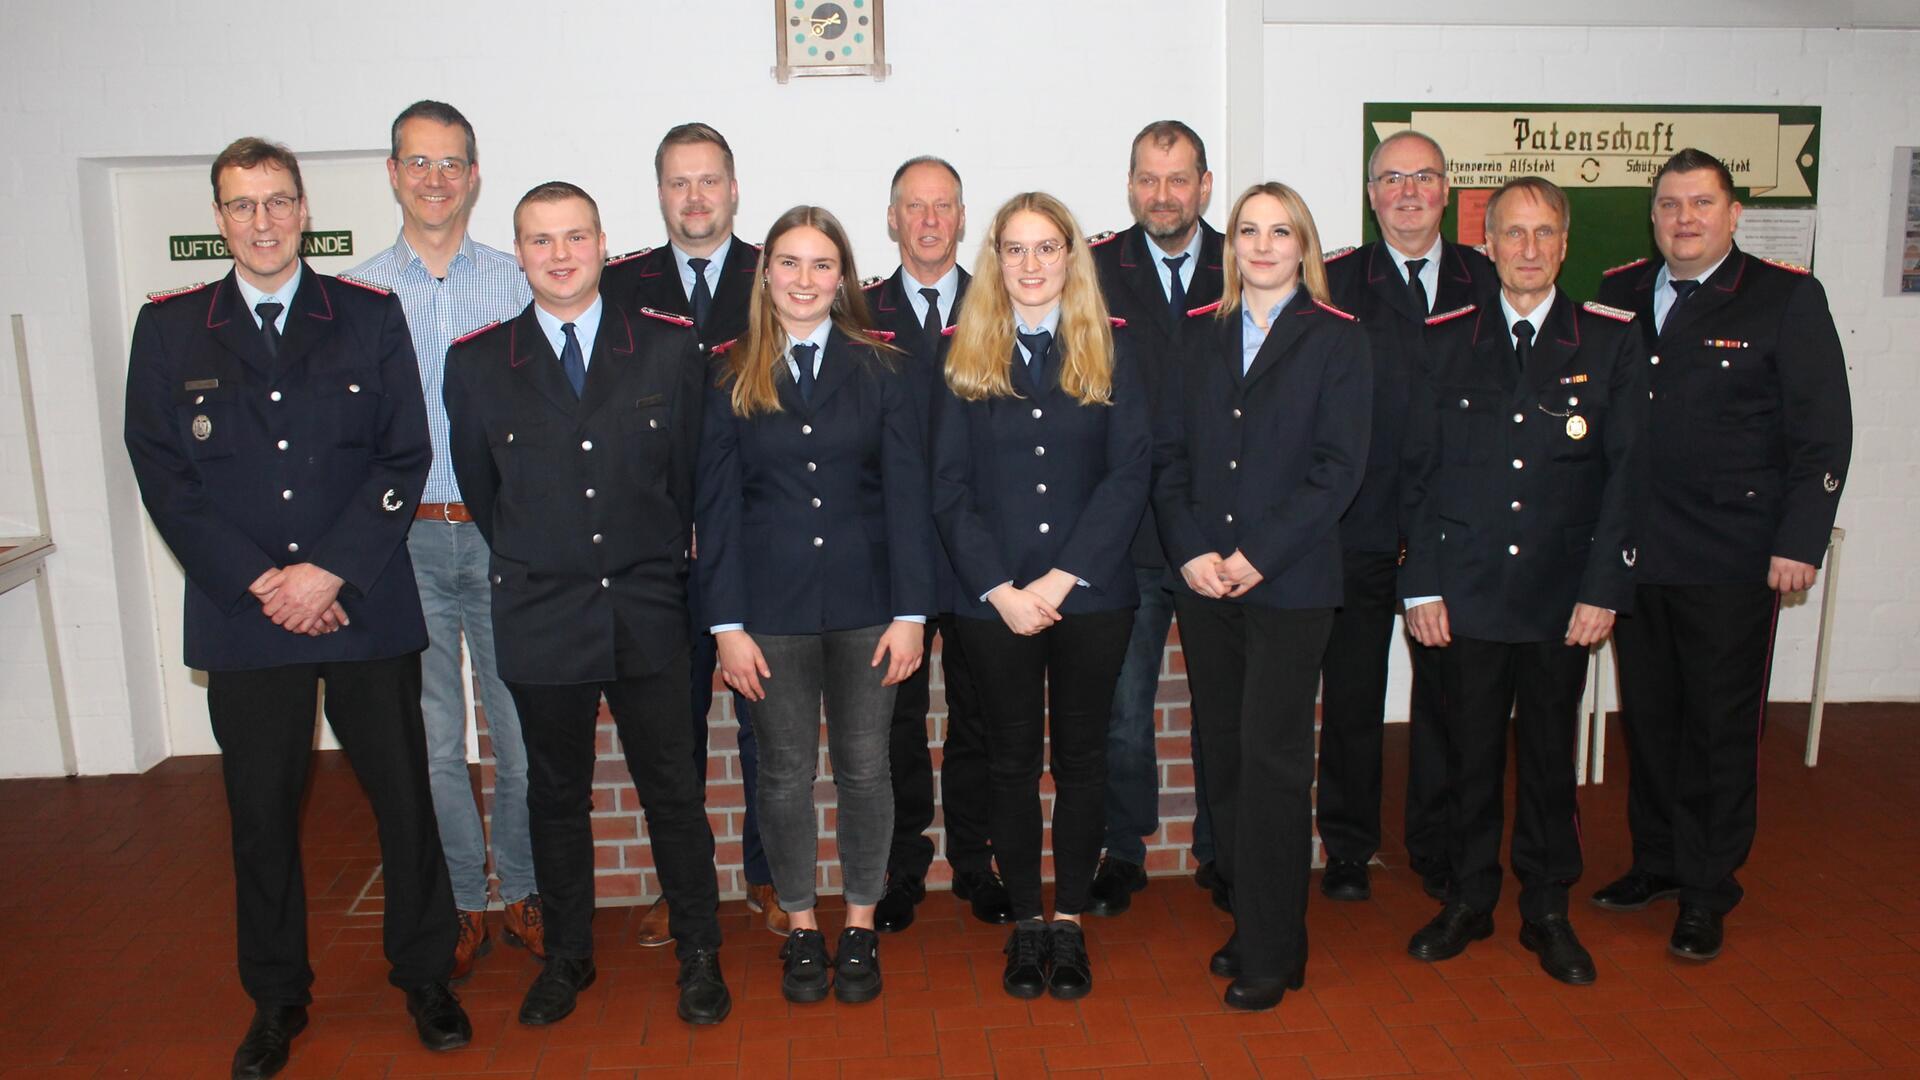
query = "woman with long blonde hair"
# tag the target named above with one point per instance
(1260, 445)
(1041, 464)
(816, 569)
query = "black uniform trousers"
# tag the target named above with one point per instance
(1253, 672)
(1536, 684)
(1353, 700)
(964, 782)
(1051, 690)
(1694, 666)
(650, 715)
(263, 721)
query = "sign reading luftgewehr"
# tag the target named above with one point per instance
(211, 246)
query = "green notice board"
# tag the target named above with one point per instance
(1605, 157)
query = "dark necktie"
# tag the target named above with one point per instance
(1038, 344)
(702, 296)
(572, 361)
(1176, 292)
(1682, 288)
(803, 359)
(1523, 343)
(269, 313)
(1417, 288)
(933, 325)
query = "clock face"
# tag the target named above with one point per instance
(835, 33)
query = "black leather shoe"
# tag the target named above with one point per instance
(1635, 890)
(263, 1051)
(1255, 994)
(1697, 933)
(1448, 935)
(895, 910)
(1208, 877)
(1225, 961)
(552, 996)
(1114, 883)
(856, 966)
(807, 970)
(438, 1017)
(1560, 952)
(703, 991)
(1069, 972)
(1026, 949)
(984, 890)
(1345, 880)
(1436, 884)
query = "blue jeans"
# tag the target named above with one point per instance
(1133, 771)
(450, 568)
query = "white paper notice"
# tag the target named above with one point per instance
(1784, 234)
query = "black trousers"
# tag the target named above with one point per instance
(1353, 703)
(650, 715)
(964, 784)
(911, 760)
(1253, 672)
(263, 721)
(1695, 661)
(1538, 685)
(1054, 686)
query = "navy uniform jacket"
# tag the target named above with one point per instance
(1266, 462)
(1366, 282)
(1038, 481)
(1521, 487)
(586, 502)
(815, 518)
(648, 278)
(247, 464)
(1128, 263)
(1752, 424)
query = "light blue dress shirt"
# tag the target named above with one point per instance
(1663, 296)
(1429, 274)
(714, 262)
(1252, 334)
(586, 327)
(1159, 256)
(948, 287)
(282, 296)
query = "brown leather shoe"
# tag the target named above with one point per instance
(527, 926)
(763, 899)
(653, 926)
(472, 943)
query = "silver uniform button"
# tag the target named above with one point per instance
(819, 541)
(586, 444)
(1573, 401)
(1040, 488)
(1036, 414)
(1518, 464)
(509, 436)
(806, 429)
(282, 444)
(605, 584)
(496, 579)
(1232, 465)
(1519, 417)
(1464, 403)
(1229, 519)
(1044, 527)
(597, 538)
(652, 423)
(287, 494)
(1653, 359)
(1236, 414)
(1515, 504)
(275, 396)
(353, 388)
(590, 493)
(1513, 549)
(1726, 363)
(293, 547)
(816, 502)
(811, 467)
(199, 399)
(1039, 451)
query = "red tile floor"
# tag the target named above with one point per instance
(120, 893)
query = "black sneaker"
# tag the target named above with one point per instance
(1069, 972)
(1026, 974)
(806, 967)
(856, 966)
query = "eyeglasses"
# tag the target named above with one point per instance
(1425, 178)
(279, 208)
(452, 168)
(1048, 252)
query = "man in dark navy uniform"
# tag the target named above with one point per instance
(926, 217)
(1393, 284)
(275, 425)
(1522, 468)
(704, 273)
(573, 429)
(1152, 274)
(1751, 434)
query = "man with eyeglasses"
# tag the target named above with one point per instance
(1523, 467)
(450, 284)
(276, 430)
(703, 273)
(1394, 284)
(1751, 436)
(1152, 274)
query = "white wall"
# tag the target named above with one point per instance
(1868, 85)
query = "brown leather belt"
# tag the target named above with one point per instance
(448, 512)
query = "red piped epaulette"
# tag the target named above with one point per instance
(1795, 268)
(1117, 321)
(721, 349)
(1100, 238)
(1602, 310)
(367, 285)
(471, 334)
(618, 259)
(873, 282)
(1449, 316)
(1338, 253)
(1204, 309)
(666, 316)
(1623, 267)
(165, 295)
(1330, 309)
(881, 335)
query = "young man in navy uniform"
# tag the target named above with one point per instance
(1751, 434)
(276, 430)
(1522, 467)
(704, 273)
(574, 428)
(926, 217)
(1152, 275)
(1393, 284)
